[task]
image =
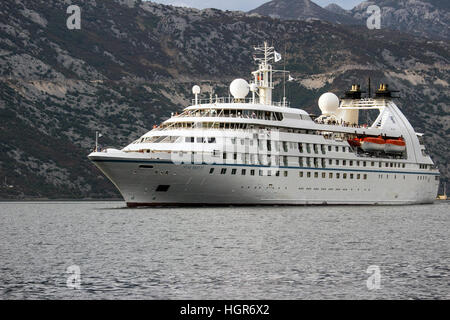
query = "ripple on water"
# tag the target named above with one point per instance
(223, 253)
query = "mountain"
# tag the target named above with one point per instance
(425, 18)
(301, 10)
(133, 63)
(333, 7)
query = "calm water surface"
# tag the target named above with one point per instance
(223, 253)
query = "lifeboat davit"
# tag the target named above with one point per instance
(395, 146)
(373, 144)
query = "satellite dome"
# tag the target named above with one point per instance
(239, 88)
(195, 89)
(328, 103)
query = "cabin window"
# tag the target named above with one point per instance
(329, 148)
(300, 161)
(338, 175)
(233, 171)
(316, 148)
(277, 174)
(316, 174)
(345, 176)
(211, 171)
(308, 174)
(358, 176)
(365, 177)
(300, 174)
(337, 162)
(324, 175)
(351, 175)
(224, 155)
(330, 175)
(212, 140)
(243, 172)
(316, 162)
(261, 173)
(285, 173)
(252, 172)
(223, 171)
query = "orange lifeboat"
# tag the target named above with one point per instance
(395, 146)
(373, 144)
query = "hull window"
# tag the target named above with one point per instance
(162, 188)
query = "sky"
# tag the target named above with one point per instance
(246, 5)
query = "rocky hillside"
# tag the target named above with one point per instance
(302, 10)
(133, 63)
(426, 18)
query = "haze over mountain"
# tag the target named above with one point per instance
(133, 63)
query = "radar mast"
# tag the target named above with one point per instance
(263, 76)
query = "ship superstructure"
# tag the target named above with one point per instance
(253, 151)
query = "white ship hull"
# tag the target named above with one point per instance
(194, 185)
(222, 152)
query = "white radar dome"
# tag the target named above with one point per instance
(328, 103)
(196, 90)
(239, 88)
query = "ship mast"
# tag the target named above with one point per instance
(263, 76)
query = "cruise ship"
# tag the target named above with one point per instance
(246, 149)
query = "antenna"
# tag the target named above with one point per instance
(284, 77)
(369, 90)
